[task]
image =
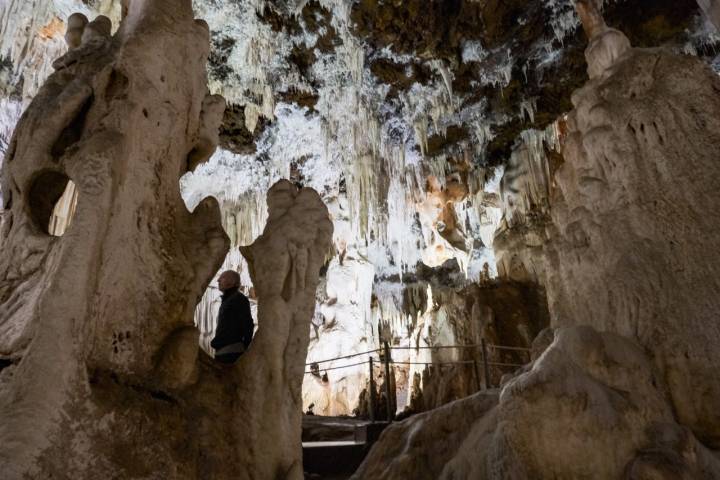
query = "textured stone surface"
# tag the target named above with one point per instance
(592, 406)
(285, 263)
(105, 379)
(636, 216)
(118, 117)
(634, 209)
(410, 449)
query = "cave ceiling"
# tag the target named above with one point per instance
(498, 54)
(403, 115)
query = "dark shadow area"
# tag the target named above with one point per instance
(44, 194)
(334, 447)
(4, 363)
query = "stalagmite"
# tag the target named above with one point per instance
(285, 263)
(606, 45)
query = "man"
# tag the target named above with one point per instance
(234, 330)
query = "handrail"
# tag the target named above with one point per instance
(437, 347)
(501, 364)
(387, 360)
(503, 347)
(343, 357)
(458, 362)
(377, 365)
(338, 368)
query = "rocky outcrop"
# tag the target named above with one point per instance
(101, 376)
(119, 117)
(592, 406)
(636, 213)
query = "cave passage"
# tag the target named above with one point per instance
(367, 240)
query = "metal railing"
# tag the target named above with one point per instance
(386, 360)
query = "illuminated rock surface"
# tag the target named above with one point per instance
(102, 369)
(627, 255)
(463, 199)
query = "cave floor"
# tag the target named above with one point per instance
(334, 447)
(316, 428)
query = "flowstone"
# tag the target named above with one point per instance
(101, 374)
(636, 215)
(592, 406)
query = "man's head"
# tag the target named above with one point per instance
(229, 280)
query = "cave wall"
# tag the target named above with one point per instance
(399, 128)
(635, 215)
(624, 386)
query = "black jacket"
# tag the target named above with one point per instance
(235, 323)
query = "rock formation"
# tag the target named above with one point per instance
(592, 406)
(285, 265)
(100, 375)
(712, 10)
(634, 211)
(118, 117)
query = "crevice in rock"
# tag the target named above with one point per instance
(73, 132)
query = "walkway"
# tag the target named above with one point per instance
(334, 447)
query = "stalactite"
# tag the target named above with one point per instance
(447, 77)
(526, 182)
(483, 134)
(528, 107)
(563, 18)
(421, 135)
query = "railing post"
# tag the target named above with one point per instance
(477, 374)
(390, 413)
(486, 367)
(371, 401)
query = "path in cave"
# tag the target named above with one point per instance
(334, 447)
